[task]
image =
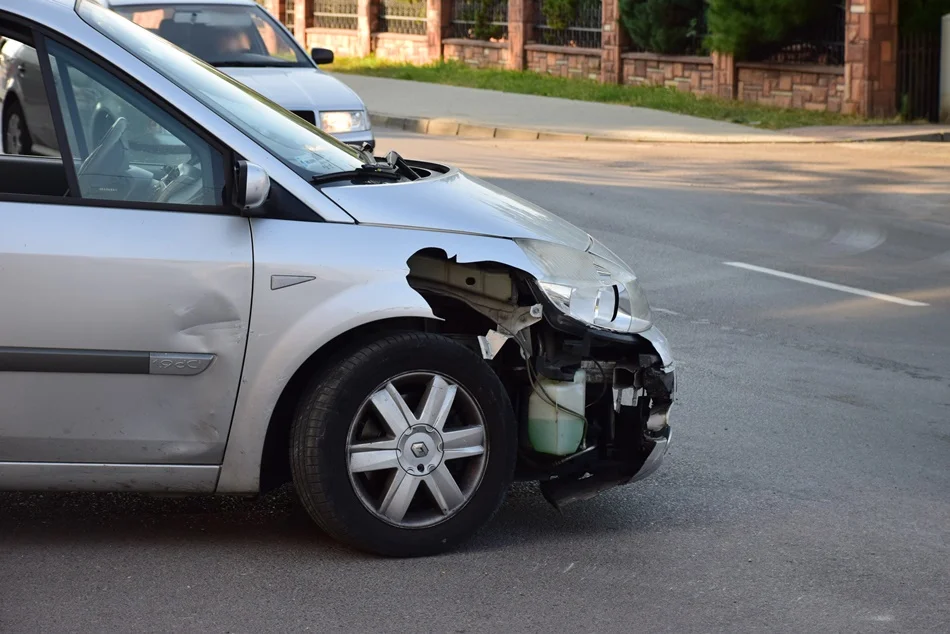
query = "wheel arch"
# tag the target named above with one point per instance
(275, 458)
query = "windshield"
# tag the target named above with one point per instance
(221, 35)
(305, 149)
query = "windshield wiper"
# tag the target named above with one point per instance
(367, 173)
(392, 162)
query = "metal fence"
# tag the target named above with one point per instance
(480, 19)
(821, 41)
(402, 16)
(335, 14)
(583, 30)
(918, 75)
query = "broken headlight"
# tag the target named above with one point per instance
(593, 287)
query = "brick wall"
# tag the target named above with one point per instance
(866, 84)
(476, 53)
(688, 74)
(788, 86)
(342, 43)
(402, 48)
(564, 61)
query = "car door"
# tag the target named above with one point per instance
(125, 305)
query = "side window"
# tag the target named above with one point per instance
(26, 124)
(126, 147)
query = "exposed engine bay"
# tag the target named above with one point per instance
(592, 405)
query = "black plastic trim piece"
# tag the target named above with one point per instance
(73, 361)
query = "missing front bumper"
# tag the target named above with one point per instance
(629, 431)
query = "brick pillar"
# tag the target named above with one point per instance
(520, 22)
(871, 58)
(367, 12)
(613, 38)
(724, 75)
(303, 19)
(435, 27)
(276, 8)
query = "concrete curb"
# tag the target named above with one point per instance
(454, 127)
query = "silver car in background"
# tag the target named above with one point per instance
(212, 296)
(240, 38)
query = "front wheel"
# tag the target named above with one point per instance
(16, 136)
(406, 447)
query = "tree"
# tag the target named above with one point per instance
(922, 16)
(741, 27)
(663, 26)
(559, 13)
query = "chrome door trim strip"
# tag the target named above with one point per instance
(75, 361)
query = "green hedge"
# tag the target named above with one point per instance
(664, 26)
(922, 16)
(741, 27)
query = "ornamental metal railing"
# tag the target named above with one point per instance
(581, 27)
(480, 19)
(335, 14)
(402, 16)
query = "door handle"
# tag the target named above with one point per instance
(21, 69)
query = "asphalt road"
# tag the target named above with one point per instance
(807, 488)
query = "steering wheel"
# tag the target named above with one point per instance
(186, 188)
(98, 158)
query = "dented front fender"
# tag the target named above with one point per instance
(345, 276)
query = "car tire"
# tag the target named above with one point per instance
(16, 136)
(404, 504)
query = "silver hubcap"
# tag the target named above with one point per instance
(417, 450)
(14, 135)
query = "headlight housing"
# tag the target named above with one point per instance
(336, 121)
(594, 287)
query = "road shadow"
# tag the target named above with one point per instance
(31, 520)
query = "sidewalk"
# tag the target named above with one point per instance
(451, 110)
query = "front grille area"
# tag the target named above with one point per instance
(306, 115)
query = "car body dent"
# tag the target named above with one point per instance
(360, 278)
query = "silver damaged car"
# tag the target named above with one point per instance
(210, 295)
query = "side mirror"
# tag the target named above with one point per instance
(322, 55)
(251, 188)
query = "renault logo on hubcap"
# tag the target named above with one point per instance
(419, 449)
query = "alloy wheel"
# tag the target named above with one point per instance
(13, 141)
(417, 450)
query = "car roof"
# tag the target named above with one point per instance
(42, 10)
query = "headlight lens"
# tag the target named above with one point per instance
(593, 287)
(335, 121)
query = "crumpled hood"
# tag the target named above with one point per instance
(455, 202)
(298, 88)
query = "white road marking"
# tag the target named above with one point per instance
(823, 284)
(667, 311)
